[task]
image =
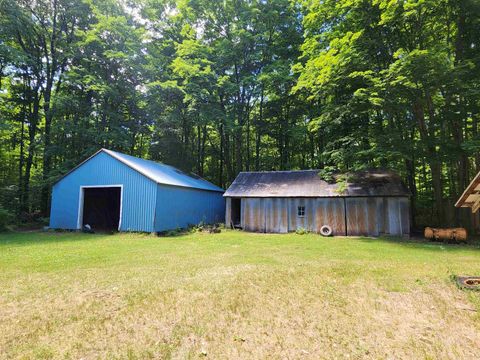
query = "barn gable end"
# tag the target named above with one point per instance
(138, 193)
(133, 194)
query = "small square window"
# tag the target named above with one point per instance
(301, 211)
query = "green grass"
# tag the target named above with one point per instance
(234, 295)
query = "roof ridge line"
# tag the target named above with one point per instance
(275, 171)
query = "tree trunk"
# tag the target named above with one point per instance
(32, 132)
(247, 163)
(412, 186)
(238, 149)
(51, 70)
(258, 132)
(21, 195)
(222, 155)
(46, 160)
(226, 142)
(432, 160)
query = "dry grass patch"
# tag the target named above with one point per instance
(234, 295)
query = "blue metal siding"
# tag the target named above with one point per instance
(180, 207)
(138, 199)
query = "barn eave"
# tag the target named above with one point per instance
(471, 196)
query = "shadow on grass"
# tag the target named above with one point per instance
(24, 238)
(37, 238)
(419, 243)
(174, 233)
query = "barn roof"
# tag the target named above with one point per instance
(308, 183)
(158, 172)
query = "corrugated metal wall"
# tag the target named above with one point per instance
(180, 207)
(252, 216)
(318, 212)
(139, 194)
(276, 215)
(228, 211)
(365, 216)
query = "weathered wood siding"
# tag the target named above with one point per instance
(364, 216)
(296, 222)
(253, 214)
(330, 211)
(399, 216)
(367, 216)
(377, 216)
(276, 215)
(318, 212)
(228, 211)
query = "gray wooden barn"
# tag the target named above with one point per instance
(368, 203)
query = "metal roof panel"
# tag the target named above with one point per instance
(162, 173)
(308, 183)
(157, 172)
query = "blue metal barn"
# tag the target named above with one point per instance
(111, 191)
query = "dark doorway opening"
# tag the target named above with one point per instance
(101, 208)
(236, 206)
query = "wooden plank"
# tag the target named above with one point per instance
(394, 224)
(259, 214)
(331, 212)
(276, 219)
(362, 217)
(339, 211)
(380, 215)
(253, 214)
(295, 221)
(373, 218)
(476, 205)
(310, 209)
(355, 220)
(228, 212)
(257, 210)
(244, 214)
(283, 225)
(321, 215)
(405, 216)
(270, 215)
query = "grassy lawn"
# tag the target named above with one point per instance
(234, 295)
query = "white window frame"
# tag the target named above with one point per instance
(81, 199)
(298, 210)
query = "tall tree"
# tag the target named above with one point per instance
(221, 87)
(40, 33)
(390, 66)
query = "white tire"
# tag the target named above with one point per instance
(326, 230)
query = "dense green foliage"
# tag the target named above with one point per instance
(220, 87)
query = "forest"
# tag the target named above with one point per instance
(219, 87)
